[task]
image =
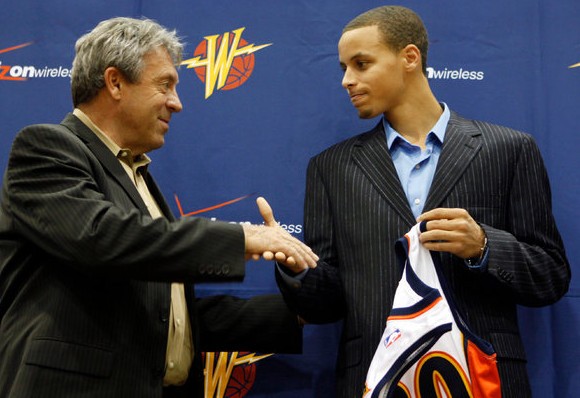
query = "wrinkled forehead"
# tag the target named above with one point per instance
(158, 62)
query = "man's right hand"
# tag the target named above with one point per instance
(273, 242)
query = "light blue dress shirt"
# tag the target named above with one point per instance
(415, 166)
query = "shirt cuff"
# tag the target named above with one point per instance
(481, 264)
(288, 276)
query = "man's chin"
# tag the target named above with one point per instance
(366, 114)
(156, 145)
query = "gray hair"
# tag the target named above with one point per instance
(121, 43)
(399, 27)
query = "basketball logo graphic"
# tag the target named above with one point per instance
(223, 62)
(241, 380)
(230, 374)
(241, 69)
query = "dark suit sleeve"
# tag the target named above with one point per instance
(62, 199)
(529, 260)
(260, 324)
(319, 296)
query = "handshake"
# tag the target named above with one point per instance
(272, 242)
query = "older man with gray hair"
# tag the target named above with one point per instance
(96, 275)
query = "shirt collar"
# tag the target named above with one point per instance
(122, 154)
(438, 129)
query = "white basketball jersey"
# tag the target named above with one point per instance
(427, 350)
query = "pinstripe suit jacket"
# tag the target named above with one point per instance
(85, 272)
(355, 210)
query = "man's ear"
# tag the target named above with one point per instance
(113, 82)
(412, 57)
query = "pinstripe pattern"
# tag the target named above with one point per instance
(355, 210)
(74, 237)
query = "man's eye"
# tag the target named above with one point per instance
(164, 87)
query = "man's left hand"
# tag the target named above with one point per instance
(453, 231)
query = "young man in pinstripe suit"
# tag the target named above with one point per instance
(482, 189)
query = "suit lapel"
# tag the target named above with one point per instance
(158, 196)
(371, 154)
(106, 157)
(461, 144)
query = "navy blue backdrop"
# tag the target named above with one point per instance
(250, 125)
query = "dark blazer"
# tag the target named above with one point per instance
(85, 272)
(356, 209)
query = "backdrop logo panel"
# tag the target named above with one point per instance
(223, 62)
(454, 74)
(17, 72)
(206, 209)
(290, 228)
(230, 375)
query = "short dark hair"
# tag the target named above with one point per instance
(399, 27)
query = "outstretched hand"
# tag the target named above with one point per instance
(274, 243)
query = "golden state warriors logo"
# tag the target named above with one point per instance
(230, 374)
(223, 62)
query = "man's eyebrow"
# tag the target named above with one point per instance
(359, 54)
(167, 76)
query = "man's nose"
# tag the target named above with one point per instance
(174, 103)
